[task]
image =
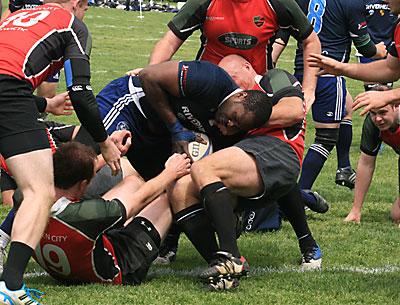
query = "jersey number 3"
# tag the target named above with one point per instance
(316, 10)
(25, 19)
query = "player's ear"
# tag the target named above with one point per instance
(83, 186)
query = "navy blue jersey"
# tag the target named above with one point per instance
(380, 21)
(337, 23)
(203, 86)
(123, 105)
(16, 5)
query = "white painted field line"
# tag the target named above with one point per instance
(263, 270)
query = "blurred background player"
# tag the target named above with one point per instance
(380, 22)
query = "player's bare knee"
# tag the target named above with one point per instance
(202, 171)
(178, 193)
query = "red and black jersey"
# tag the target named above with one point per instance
(277, 84)
(242, 27)
(35, 43)
(372, 138)
(67, 248)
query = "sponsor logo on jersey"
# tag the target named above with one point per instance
(238, 41)
(377, 6)
(123, 125)
(258, 21)
(77, 88)
(148, 245)
(190, 117)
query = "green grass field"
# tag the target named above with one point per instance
(361, 263)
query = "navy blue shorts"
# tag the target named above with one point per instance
(330, 99)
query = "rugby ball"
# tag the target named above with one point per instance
(199, 150)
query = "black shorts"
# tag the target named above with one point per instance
(277, 164)
(136, 247)
(6, 182)
(20, 131)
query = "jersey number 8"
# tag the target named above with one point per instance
(316, 10)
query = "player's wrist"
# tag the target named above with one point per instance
(180, 133)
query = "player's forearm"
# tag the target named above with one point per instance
(88, 114)
(377, 71)
(287, 112)
(365, 171)
(153, 188)
(310, 45)
(165, 48)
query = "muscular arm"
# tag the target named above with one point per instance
(176, 167)
(365, 171)
(387, 70)
(165, 48)
(287, 112)
(310, 45)
(157, 82)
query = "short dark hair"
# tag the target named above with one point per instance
(73, 162)
(260, 104)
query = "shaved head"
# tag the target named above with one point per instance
(240, 70)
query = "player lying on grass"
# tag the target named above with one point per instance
(380, 125)
(102, 182)
(261, 168)
(112, 239)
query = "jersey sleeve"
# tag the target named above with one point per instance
(77, 75)
(202, 80)
(357, 24)
(370, 138)
(189, 19)
(281, 83)
(94, 216)
(291, 17)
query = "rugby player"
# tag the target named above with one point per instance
(112, 239)
(380, 125)
(239, 27)
(261, 168)
(128, 103)
(48, 87)
(24, 64)
(380, 22)
(337, 23)
(381, 71)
